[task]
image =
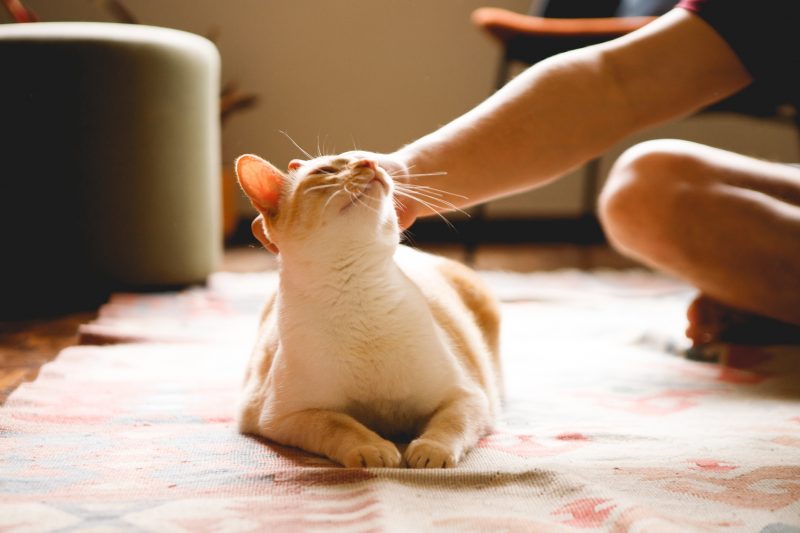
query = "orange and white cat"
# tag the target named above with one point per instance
(364, 339)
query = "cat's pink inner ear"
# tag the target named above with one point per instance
(294, 164)
(260, 180)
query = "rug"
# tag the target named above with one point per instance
(607, 426)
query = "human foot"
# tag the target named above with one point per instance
(713, 321)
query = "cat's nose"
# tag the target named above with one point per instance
(365, 163)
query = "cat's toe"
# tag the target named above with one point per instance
(384, 454)
(424, 453)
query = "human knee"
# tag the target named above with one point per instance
(639, 198)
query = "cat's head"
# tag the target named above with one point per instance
(328, 201)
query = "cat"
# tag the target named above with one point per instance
(364, 339)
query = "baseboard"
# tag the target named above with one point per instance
(470, 232)
(568, 230)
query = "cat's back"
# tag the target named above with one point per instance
(462, 304)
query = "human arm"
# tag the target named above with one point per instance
(568, 109)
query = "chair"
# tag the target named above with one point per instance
(529, 39)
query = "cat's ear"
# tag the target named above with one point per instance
(294, 164)
(260, 181)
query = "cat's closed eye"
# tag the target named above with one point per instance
(325, 170)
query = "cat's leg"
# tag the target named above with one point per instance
(335, 435)
(452, 430)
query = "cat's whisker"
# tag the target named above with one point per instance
(412, 189)
(317, 187)
(400, 171)
(443, 205)
(431, 190)
(408, 194)
(423, 174)
(432, 196)
(435, 197)
(430, 206)
(360, 201)
(401, 174)
(296, 145)
(397, 204)
(440, 203)
(409, 238)
(334, 195)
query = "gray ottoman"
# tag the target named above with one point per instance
(109, 163)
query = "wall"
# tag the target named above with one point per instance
(372, 73)
(376, 74)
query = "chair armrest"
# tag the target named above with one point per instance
(506, 25)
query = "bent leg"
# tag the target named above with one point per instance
(452, 430)
(727, 223)
(335, 435)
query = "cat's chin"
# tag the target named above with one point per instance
(375, 184)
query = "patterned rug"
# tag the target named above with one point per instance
(607, 426)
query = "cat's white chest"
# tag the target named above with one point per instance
(381, 351)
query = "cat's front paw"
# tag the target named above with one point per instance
(426, 453)
(373, 455)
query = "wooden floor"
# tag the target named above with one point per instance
(26, 346)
